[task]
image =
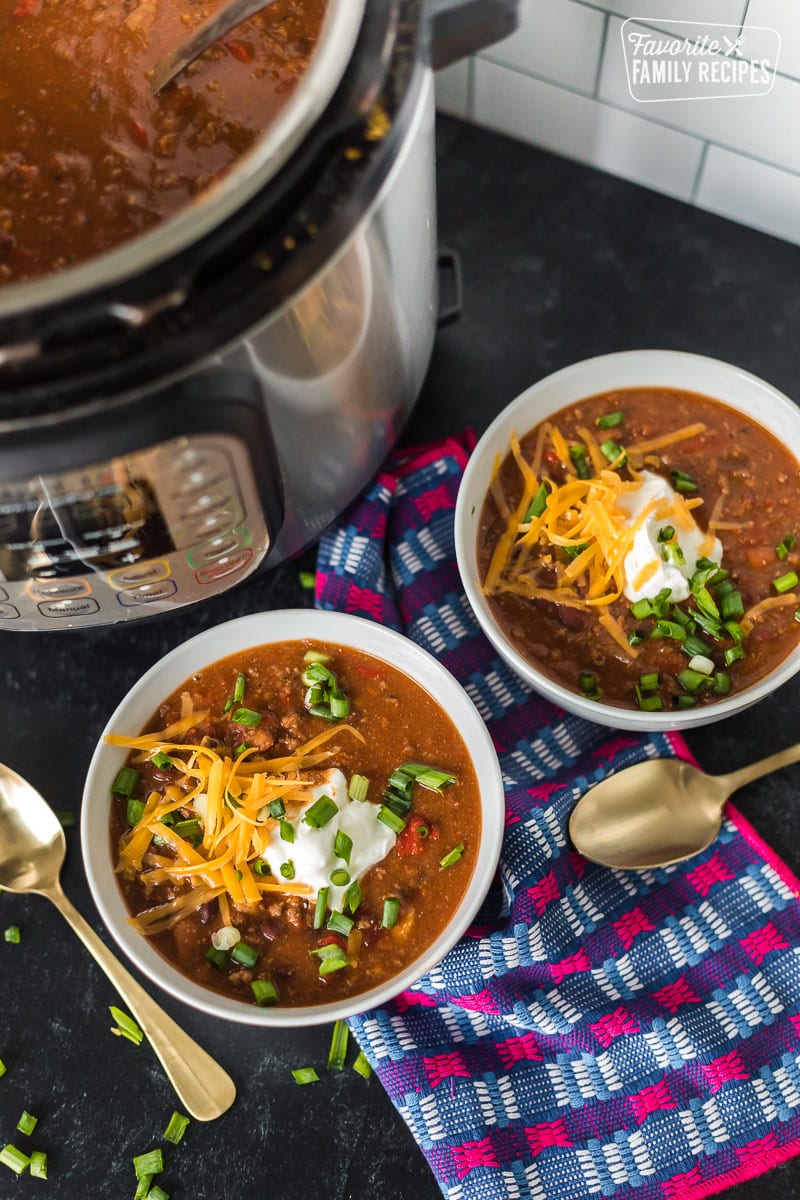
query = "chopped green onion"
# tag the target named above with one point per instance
(304, 1075)
(162, 760)
(39, 1164)
(287, 869)
(672, 552)
(635, 638)
(321, 907)
(400, 805)
(666, 533)
(695, 645)
(537, 505)
(786, 583)
(151, 1163)
(340, 707)
(339, 877)
(706, 603)
(228, 704)
(238, 690)
(332, 958)
(12, 934)
(239, 750)
(683, 482)
(722, 583)
(143, 1185)
(190, 829)
(660, 602)
(610, 420)
(452, 857)
(319, 710)
(353, 896)
(264, 992)
(701, 663)
(588, 683)
(246, 956)
(574, 551)
(307, 580)
(3, 1068)
(157, 1193)
(641, 609)
(217, 958)
(125, 782)
(247, 717)
(286, 830)
(133, 811)
(797, 614)
(339, 923)
(783, 548)
(359, 787)
(276, 808)
(684, 701)
(733, 654)
(722, 683)
(578, 455)
(391, 907)
(176, 1128)
(321, 812)
(395, 823)
(338, 1051)
(648, 703)
(362, 1065)
(693, 681)
(262, 867)
(127, 1026)
(649, 681)
(342, 845)
(27, 1123)
(11, 1157)
(668, 629)
(708, 625)
(318, 672)
(316, 656)
(614, 452)
(735, 630)
(731, 605)
(435, 780)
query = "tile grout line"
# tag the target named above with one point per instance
(601, 57)
(471, 88)
(699, 173)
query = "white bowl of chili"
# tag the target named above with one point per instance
(683, 605)
(406, 855)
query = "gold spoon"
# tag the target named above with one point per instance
(226, 18)
(659, 812)
(32, 849)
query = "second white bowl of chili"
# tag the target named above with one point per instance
(628, 535)
(292, 817)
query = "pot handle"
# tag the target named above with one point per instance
(458, 28)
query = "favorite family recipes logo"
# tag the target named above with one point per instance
(698, 61)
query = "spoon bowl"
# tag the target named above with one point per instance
(32, 850)
(659, 812)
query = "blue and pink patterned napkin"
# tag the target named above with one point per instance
(596, 1033)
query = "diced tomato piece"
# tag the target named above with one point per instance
(333, 939)
(138, 133)
(551, 458)
(370, 674)
(239, 51)
(28, 8)
(413, 838)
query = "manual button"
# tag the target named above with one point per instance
(69, 608)
(139, 573)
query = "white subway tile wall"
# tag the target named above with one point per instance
(560, 82)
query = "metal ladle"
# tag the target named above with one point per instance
(32, 849)
(226, 18)
(659, 812)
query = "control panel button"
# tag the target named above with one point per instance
(147, 593)
(211, 525)
(8, 612)
(3, 594)
(227, 565)
(139, 573)
(208, 502)
(58, 589)
(69, 608)
(212, 550)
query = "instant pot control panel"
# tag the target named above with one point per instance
(136, 535)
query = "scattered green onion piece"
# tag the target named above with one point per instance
(731, 605)
(157, 1193)
(339, 877)
(783, 548)
(151, 1163)
(353, 897)
(683, 482)
(27, 1123)
(682, 618)
(340, 707)
(733, 654)
(641, 609)
(319, 710)
(574, 551)
(287, 869)
(578, 455)
(722, 683)
(217, 958)
(391, 908)
(133, 811)
(722, 583)
(176, 1128)
(649, 682)
(316, 656)
(244, 955)
(12, 934)
(797, 614)
(734, 629)
(635, 638)
(162, 760)
(38, 1164)
(190, 829)
(307, 580)
(610, 420)
(332, 958)
(669, 629)
(395, 823)
(435, 780)
(239, 750)
(648, 703)
(614, 452)
(400, 805)
(338, 1051)
(684, 701)
(321, 907)
(695, 645)
(127, 1026)
(588, 682)
(238, 689)
(3, 1068)
(261, 867)
(247, 717)
(666, 533)
(319, 673)
(342, 845)
(276, 808)
(228, 704)
(693, 681)
(786, 583)
(672, 552)
(781, 551)
(708, 625)
(706, 603)
(359, 788)
(321, 812)
(286, 830)
(339, 923)
(143, 1185)
(125, 782)
(264, 992)
(13, 1158)
(402, 781)
(303, 1075)
(660, 602)
(701, 663)
(537, 504)
(362, 1065)
(452, 857)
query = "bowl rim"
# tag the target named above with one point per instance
(653, 362)
(232, 637)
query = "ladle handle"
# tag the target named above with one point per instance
(783, 758)
(204, 1089)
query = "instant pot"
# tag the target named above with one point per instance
(202, 401)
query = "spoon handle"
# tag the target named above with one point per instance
(205, 1090)
(783, 758)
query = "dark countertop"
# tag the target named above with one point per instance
(559, 263)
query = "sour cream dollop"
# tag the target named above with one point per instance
(312, 853)
(646, 571)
